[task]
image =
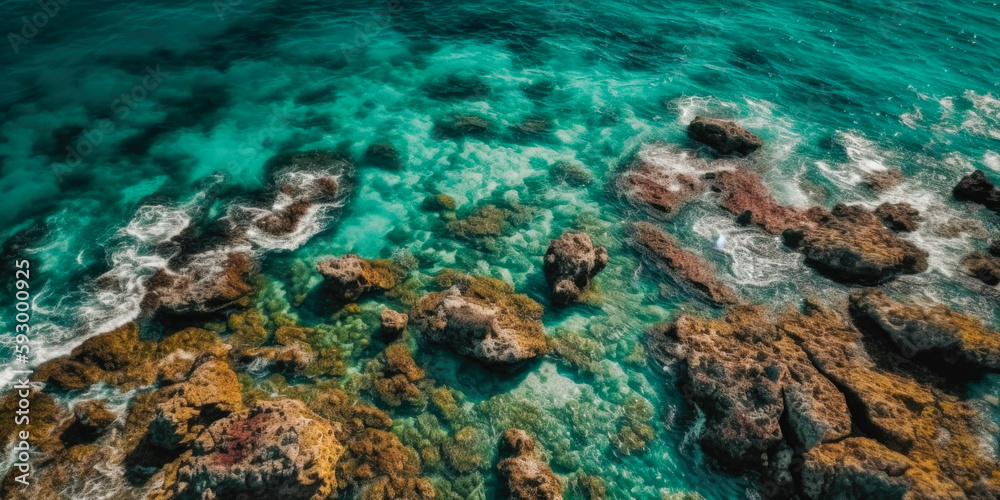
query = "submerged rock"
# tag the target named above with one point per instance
(306, 179)
(570, 263)
(482, 318)
(276, 449)
(686, 267)
(744, 194)
(851, 245)
(384, 155)
(571, 173)
(459, 126)
(900, 217)
(350, 277)
(724, 136)
(523, 473)
(665, 179)
(393, 323)
(976, 188)
(937, 332)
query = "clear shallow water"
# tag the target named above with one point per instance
(835, 90)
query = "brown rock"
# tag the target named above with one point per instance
(570, 263)
(209, 283)
(724, 136)
(684, 266)
(855, 468)
(350, 277)
(898, 216)
(744, 374)
(523, 473)
(396, 376)
(93, 416)
(851, 245)
(983, 266)
(276, 449)
(67, 374)
(482, 318)
(883, 181)
(936, 332)
(393, 323)
(211, 393)
(285, 220)
(117, 357)
(664, 179)
(745, 195)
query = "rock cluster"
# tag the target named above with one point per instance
(523, 473)
(482, 318)
(570, 263)
(864, 425)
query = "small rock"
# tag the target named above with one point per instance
(570, 263)
(525, 475)
(901, 217)
(393, 323)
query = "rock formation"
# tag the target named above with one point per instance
(976, 188)
(393, 323)
(687, 268)
(209, 283)
(851, 245)
(664, 179)
(744, 194)
(985, 266)
(570, 263)
(350, 277)
(724, 136)
(900, 217)
(936, 332)
(277, 449)
(482, 318)
(523, 473)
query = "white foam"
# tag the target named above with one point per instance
(756, 258)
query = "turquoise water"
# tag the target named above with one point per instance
(836, 90)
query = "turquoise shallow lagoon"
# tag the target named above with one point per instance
(836, 90)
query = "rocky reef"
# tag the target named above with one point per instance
(350, 277)
(570, 262)
(664, 179)
(482, 318)
(809, 383)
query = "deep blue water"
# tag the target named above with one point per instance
(835, 89)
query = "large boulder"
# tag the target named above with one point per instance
(570, 263)
(482, 318)
(937, 332)
(985, 266)
(276, 449)
(523, 473)
(724, 136)
(976, 188)
(849, 244)
(350, 277)
(687, 268)
(745, 375)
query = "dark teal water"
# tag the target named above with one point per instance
(836, 90)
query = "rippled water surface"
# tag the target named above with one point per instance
(836, 90)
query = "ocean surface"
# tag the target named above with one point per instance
(836, 90)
